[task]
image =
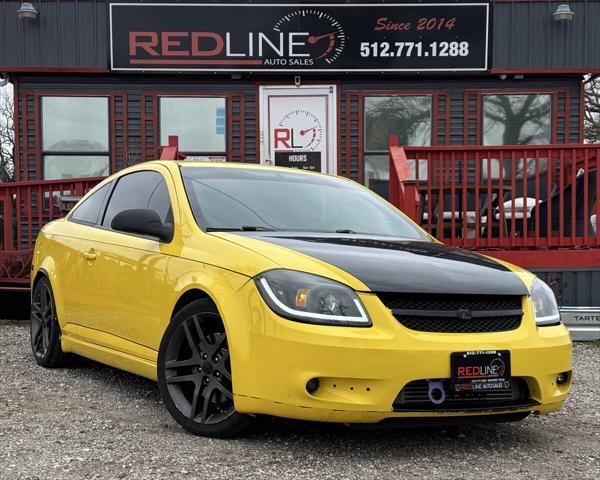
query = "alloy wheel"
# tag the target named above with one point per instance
(42, 316)
(198, 369)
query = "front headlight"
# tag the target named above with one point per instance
(544, 304)
(308, 298)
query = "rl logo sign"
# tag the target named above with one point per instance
(286, 139)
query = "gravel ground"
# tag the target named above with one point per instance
(92, 421)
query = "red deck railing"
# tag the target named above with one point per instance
(509, 198)
(533, 205)
(24, 208)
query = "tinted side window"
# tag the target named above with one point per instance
(140, 190)
(89, 210)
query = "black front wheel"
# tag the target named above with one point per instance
(44, 327)
(194, 373)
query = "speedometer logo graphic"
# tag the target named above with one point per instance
(326, 38)
(305, 127)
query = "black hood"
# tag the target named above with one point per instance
(396, 265)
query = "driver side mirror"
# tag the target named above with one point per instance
(142, 222)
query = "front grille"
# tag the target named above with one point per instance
(454, 325)
(455, 313)
(415, 397)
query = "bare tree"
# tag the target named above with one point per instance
(408, 116)
(592, 110)
(133, 155)
(522, 119)
(7, 135)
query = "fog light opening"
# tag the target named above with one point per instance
(562, 378)
(312, 385)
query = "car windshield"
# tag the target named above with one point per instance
(254, 199)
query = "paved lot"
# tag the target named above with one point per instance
(91, 421)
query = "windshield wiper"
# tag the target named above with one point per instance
(252, 228)
(345, 230)
(243, 228)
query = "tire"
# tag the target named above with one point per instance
(44, 328)
(194, 373)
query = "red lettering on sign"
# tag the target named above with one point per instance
(135, 42)
(283, 136)
(384, 23)
(197, 52)
(168, 41)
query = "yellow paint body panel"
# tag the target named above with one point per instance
(116, 308)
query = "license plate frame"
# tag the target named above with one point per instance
(480, 371)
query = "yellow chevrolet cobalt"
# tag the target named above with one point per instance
(249, 291)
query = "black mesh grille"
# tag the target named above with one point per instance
(415, 396)
(419, 301)
(453, 325)
(455, 313)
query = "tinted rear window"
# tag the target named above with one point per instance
(89, 210)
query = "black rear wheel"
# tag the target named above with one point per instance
(44, 327)
(194, 373)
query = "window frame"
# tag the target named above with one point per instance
(431, 96)
(44, 153)
(434, 98)
(102, 213)
(115, 182)
(556, 114)
(551, 113)
(223, 96)
(111, 186)
(354, 117)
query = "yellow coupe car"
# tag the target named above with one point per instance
(249, 291)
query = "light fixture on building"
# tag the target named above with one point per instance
(563, 13)
(27, 10)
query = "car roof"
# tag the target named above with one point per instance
(239, 165)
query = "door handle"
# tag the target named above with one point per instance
(91, 255)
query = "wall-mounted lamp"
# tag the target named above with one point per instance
(27, 10)
(563, 13)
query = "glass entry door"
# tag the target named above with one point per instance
(298, 127)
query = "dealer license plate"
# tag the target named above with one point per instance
(480, 371)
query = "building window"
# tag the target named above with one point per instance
(75, 139)
(407, 116)
(199, 122)
(517, 119)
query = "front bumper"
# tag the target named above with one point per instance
(362, 370)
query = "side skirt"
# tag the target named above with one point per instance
(92, 349)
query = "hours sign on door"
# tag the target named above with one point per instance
(298, 136)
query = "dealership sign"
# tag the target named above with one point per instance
(299, 38)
